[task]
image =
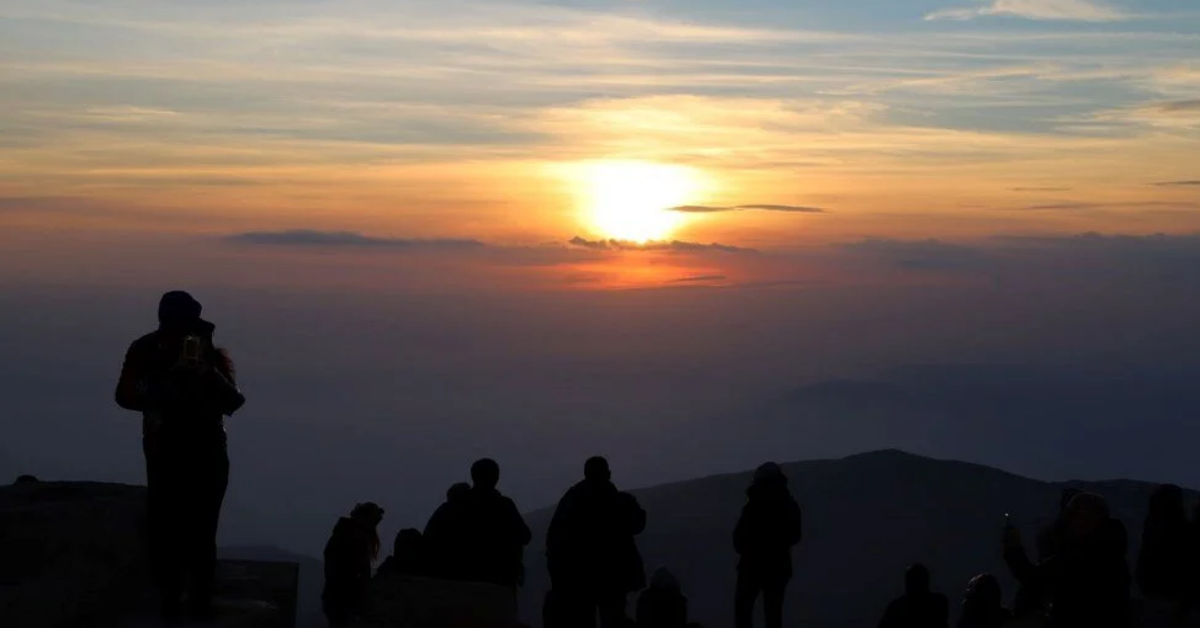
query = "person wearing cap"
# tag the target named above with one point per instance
(351, 550)
(184, 386)
(770, 526)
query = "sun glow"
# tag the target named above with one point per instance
(633, 200)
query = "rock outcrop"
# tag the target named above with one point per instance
(429, 603)
(71, 553)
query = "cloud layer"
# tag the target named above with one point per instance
(709, 209)
(1073, 10)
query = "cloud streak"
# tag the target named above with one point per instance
(710, 209)
(1067, 10)
(348, 239)
(671, 245)
(1173, 184)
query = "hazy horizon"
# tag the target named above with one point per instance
(683, 235)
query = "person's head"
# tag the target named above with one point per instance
(458, 491)
(983, 591)
(26, 479)
(596, 469)
(1085, 514)
(769, 473)
(485, 473)
(1066, 496)
(407, 543)
(916, 580)
(178, 311)
(1167, 503)
(367, 512)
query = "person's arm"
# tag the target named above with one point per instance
(741, 533)
(131, 386)
(637, 516)
(796, 524)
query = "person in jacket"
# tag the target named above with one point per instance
(919, 607)
(184, 386)
(662, 604)
(591, 552)
(351, 550)
(1087, 579)
(409, 557)
(983, 604)
(496, 534)
(769, 527)
(1164, 563)
(446, 535)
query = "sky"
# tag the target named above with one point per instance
(430, 232)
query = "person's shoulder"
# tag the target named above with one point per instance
(147, 342)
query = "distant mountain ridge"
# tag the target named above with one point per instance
(867, 516)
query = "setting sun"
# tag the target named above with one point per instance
(632, 200)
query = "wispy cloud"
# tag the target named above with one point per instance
(1041, 189)
(700, 279)
(1185, 183)
(671, 245)
(314, 238)
(709, 209)
(1180, 106)
(1073, 10)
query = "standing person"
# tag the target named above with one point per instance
(446, 535)
(919, 607)
(1163, 562)
(770, 526)
(351, 550)
(1087, 579)
(184, 387)
(496, 534)
(983, 604)
(591, 551)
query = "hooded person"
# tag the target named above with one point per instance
(590, 549)
(184, 386)
(919, 607)
(446, 535)
(349, 554)
(983, 604)
(662, 604)
(770, 525)
(1087, 579)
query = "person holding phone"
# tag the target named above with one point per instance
(184, 387)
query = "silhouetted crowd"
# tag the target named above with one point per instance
(184, 386)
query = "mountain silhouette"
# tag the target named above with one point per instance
(867, 517)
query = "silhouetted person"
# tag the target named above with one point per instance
(983, 604)
(184, 387)
(26, 479)
(769, 527)
(446, 533)
(408, 555)
(352, 548)
(662, 604)
(919, 607)
(1087, 579)
(1163, 564)
(1050, 536)
(590, 549)
(496, 534)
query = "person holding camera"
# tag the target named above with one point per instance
(184, 387)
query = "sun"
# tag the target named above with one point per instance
(633, 200)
